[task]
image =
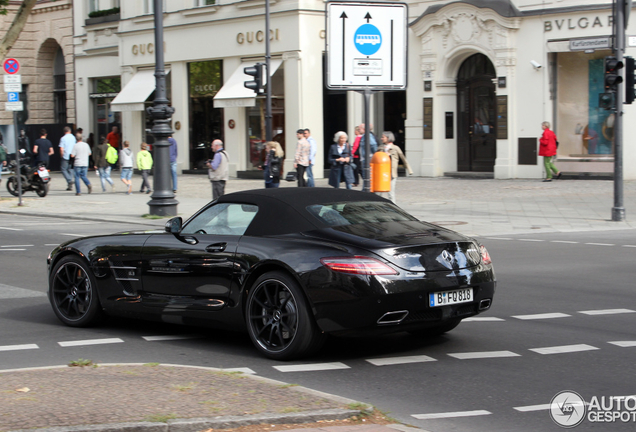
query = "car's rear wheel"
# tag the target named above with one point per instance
(437, 330)
(279, 320)
(73, 293)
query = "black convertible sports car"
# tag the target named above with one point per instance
(289, 265)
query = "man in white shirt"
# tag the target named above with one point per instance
(81, 152)
(312, 158)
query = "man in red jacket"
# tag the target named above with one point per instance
(547, 149)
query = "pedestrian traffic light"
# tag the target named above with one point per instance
(630, 80)
(257, 72)
(612, 74)
(606, 101)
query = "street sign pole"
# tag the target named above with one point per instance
(18, 174)
(618, 211)
(366, 169)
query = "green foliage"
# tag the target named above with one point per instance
(205, 78)
(81, 363)
(104, 12)
(3, 9)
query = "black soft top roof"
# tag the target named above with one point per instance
(284, 210)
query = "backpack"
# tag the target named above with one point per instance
(111, 155)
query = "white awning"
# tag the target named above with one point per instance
(234, 93)
(135, 93)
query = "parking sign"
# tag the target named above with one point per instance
(366, 45)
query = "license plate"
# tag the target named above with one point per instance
(44, 174)
(444, 298)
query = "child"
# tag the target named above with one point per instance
(144, 164)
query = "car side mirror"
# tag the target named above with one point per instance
(173, 226)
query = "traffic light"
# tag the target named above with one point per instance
(629, 80)
(612, 75)
(606, 101)
(257, 72)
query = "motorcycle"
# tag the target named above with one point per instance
(32, 178)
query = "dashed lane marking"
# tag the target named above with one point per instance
(607, 311)
(90, 342)
(451, 415)
(169, 337)
(11, 292)
(18, 347)
(624, 344)
(11, 250)
(632, 246)
(482, 319)
(498, 238)
(564, 349)
(542, 316)
(529, 408)
(312, 367)
(15, 246)
(564, 241)
(531, 240)
(400, 360)
(484, 354)
(72, 235)
(11, 229)
(600, 244)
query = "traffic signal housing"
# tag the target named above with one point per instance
(255, 71)
(612, 75)
(630, 80)
(606, 101)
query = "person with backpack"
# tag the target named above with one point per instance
(126, 158)
(273, 165)
(102, 165)
(144, 164)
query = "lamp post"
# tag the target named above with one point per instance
(163, 202)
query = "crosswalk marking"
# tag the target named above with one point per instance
(18, 347)
(542, 316)
(607, 311)
(90, 342)
(400, 360)
(450, 414)
(563, 349)
(484, 354)
(312, 367)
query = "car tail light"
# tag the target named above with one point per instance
(485, 256)
(358, 265)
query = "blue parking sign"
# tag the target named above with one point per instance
(13, 97)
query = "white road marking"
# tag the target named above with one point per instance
(624, 344)
(246, 371)
(607, 311)
(484, 354)
(18, 347)
(15, 246)
(498, 238)
(542, 316)
(527, 408)
(169, 337)
(312, 367)
(600, 244)
(90, 342)
(634, 246)
(11, 292)
(451, 414)
(564, 241)
(564, 349)
(400, 360)
(532, 240)
(9, 250)
(483, 319)
(11, 229)
(51, 244)
(72, 235)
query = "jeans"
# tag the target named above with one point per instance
(65, 167)
(173, 169)
(104, 176)
(310, 176)
(80, 172)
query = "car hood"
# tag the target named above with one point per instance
(411, 245)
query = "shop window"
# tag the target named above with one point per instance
(256, 131)
(104, 91)
(59, 88)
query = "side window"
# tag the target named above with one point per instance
(225, 218)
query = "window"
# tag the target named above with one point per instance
(59, 88)
(222, 219)
(149, 6)
(354, 213)
(199, 3)
(93, 6)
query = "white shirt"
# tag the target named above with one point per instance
(81, 151)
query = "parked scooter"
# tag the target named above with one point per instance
(32, 178)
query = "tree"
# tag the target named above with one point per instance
(17, 25)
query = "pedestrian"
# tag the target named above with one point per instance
(173, 162)
(396, 155)
(274, 163)
(301, 159)
(3, 159)
(42, 149)
(373, 142)
(341, 159)
(102, 166)
(126, 164)
(81, 152)
(312, 158)
(113, 137)
(547, 149)
(24, 143)
(356, 157)
(144, 164)
(67, 142)
(218, 169)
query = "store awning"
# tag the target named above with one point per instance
(135, 93)
(234, 94)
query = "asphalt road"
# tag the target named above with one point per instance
(564, 318)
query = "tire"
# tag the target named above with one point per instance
(12, 186)
(437, 330)
(73, 293)
(279, 320)
(42, 190)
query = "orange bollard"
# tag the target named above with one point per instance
(380, 172)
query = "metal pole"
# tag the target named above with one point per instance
(18, 174)
(618, 211)
(268, 94)
(163, 202)
(366, 168)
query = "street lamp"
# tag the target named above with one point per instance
(163, 202)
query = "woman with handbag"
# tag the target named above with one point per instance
(273, 166)
(341, 161)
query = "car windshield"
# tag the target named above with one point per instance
(232, 219)
(353, 213)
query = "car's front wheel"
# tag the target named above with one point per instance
(279, 320)
(73, 293)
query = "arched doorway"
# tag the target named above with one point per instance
(476, 122)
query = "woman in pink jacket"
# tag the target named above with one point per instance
(547, 149)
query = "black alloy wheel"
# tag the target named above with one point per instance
(72, 292)
(278, 319)
(12, 186)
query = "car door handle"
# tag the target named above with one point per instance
(216, 247)
(190, 240)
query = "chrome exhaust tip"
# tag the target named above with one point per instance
(485, 304)
(394, 317)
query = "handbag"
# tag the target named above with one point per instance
(291, 176)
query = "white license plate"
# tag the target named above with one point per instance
(43, 174)
(444, 298)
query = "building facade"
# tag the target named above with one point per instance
(482, 76)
